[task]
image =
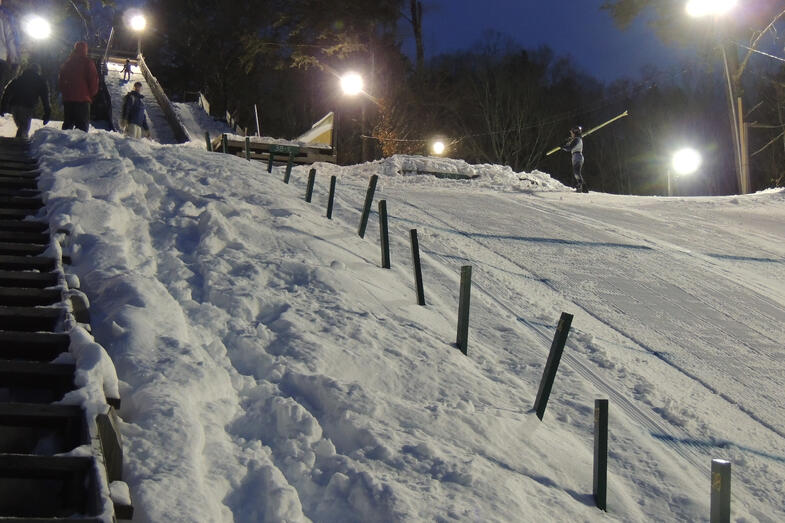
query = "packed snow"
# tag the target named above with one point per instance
(270, 370)
(160, 130)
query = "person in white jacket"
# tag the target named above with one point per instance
(9, 46)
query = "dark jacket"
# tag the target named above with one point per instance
(25, 90)
(574, 145)
(78, 80)
(133, 109)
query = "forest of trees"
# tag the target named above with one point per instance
(495, 102)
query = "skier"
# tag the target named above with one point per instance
(133, 119)
(574, 145)
(20, 96)
(78, 82)
(127, 71)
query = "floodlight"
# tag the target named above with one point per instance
(686, 161)
(352, 84)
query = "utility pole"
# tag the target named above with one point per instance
(735, 112)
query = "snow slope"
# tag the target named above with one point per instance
(197, 122)
(271, 371)
(160, 130)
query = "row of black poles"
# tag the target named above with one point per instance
(720, 469)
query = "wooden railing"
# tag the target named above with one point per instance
(180, 133)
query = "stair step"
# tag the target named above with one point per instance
(29, 414)
(18, 165)
(25, 297)
(11, 155)
(27, 174)
(35, 382)
(38, 280)
(14, 192)
(17, 160)
(33, 346)
(20, 202)
(23, 226)
(13, 144)
(14, 214)
(55, 520)
(30, 319)
(21, 249)
(48, 486)
(10, 182)
(26, 263)
(19, 172)
(31, 466)
(24, 237)
(38, 429)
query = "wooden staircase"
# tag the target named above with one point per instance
(56, 463)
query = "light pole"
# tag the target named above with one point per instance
(352, 84)
(138, 24)
(717, 8)
(683, 162)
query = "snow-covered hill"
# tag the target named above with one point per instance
(272, 371)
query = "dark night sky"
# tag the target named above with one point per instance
(570, 27)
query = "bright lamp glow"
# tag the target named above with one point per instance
(37, 28)
(686, 161)
(438, 147)
(138, 23)
(698, 8)
(352, 84)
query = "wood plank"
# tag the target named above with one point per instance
(261, 151)
(19, 192)
(15, 182)
(33, 414)
(33, 346)
(23, 226)
(13, 160)
(36, 374)
(35, 369)
(36, 382)
(26, 263)
(31, 174)
(24, 237)
(122, 512)
(26, 297)
(42, 467)
(30, 319)
(28, 279)
(21, 249)
(20, 202)
(15, 214)
(69, 519)
(111, 444)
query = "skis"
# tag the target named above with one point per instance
(587, 133)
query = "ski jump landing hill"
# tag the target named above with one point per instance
(172, 123)
(169, 122)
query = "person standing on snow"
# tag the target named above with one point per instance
(20, 97)
(9, 46)
(127, 71)
(78, 82)
(574, 145)
(133, 119)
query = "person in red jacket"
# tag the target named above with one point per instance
(78, 82)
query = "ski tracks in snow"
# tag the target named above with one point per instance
(672, 436)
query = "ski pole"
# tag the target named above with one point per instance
(587, 133)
